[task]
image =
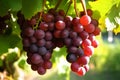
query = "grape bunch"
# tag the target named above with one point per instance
(46, 31)
(3, 24)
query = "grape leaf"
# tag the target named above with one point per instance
(8, 41)
(11, 57)
(31, 7)
(113, 17)
(7, 5)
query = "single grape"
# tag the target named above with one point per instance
(86, 42)
(26, 42)
(36, 59)
(78, 28)
(75, 66)
(71, 57)
(81, 71)
(60, 25)
(47, 56)
(48, 36)
(84, 35)
(41, 42)
(85, 20)
(47, 64)
(97, 31)
(57, 33)
(75, 21)
(91, 37)
(89, 28)
(73, 34)
(48, 17)
(77, 41)
(65, 33)
(33, 48)
(51, 26)
(67, 42)
(33, 39)
(83, 60)
(94, 22)
(79, 52)
(42, 50)
(95, 43)
(43, 26)
(28, 32)
(49, 45)
(39, 34)
(34, 67)
(88, 50)
(41, 70)
(72, 49)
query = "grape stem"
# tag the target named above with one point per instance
(70, 2)
(84, 6)
(57, 5)
(75, 8)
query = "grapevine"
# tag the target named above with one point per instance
(47, 30)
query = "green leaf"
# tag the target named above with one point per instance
(113, 17)
(8, 41)
(22, 63)
(11, 57)
(1, 62)
(7, 5)
(31, 7)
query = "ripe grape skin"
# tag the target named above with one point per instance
(41, 42)
(67, 42)
(43, 26)
(95, 43)
(72, 49)
(79, 52)
(78, 28)
(85, 20)
(36, 59)
(77, 41)
(84, 35)
(83, 60)
(75, 66)
(86, 42)
(71, 57)
(39, 34)
(65, 33)
(73, 34)
(41, 70)
(48, 36)
(88, 50)
(26, 42)
(60, 25)
(28, 32)
(47, 56)
(81, 71)
(42, 50)
(47, 64)
(33, 48)
(75, 21)
(89, 28)
(97, 31)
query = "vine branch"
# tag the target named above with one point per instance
(68, 7)
(57, 5)
(84, 6)
(75, 8)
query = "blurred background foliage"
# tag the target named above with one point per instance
(104, 64)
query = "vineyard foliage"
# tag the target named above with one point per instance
(107, 12)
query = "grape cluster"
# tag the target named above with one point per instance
(3, 24)
(46, 31)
